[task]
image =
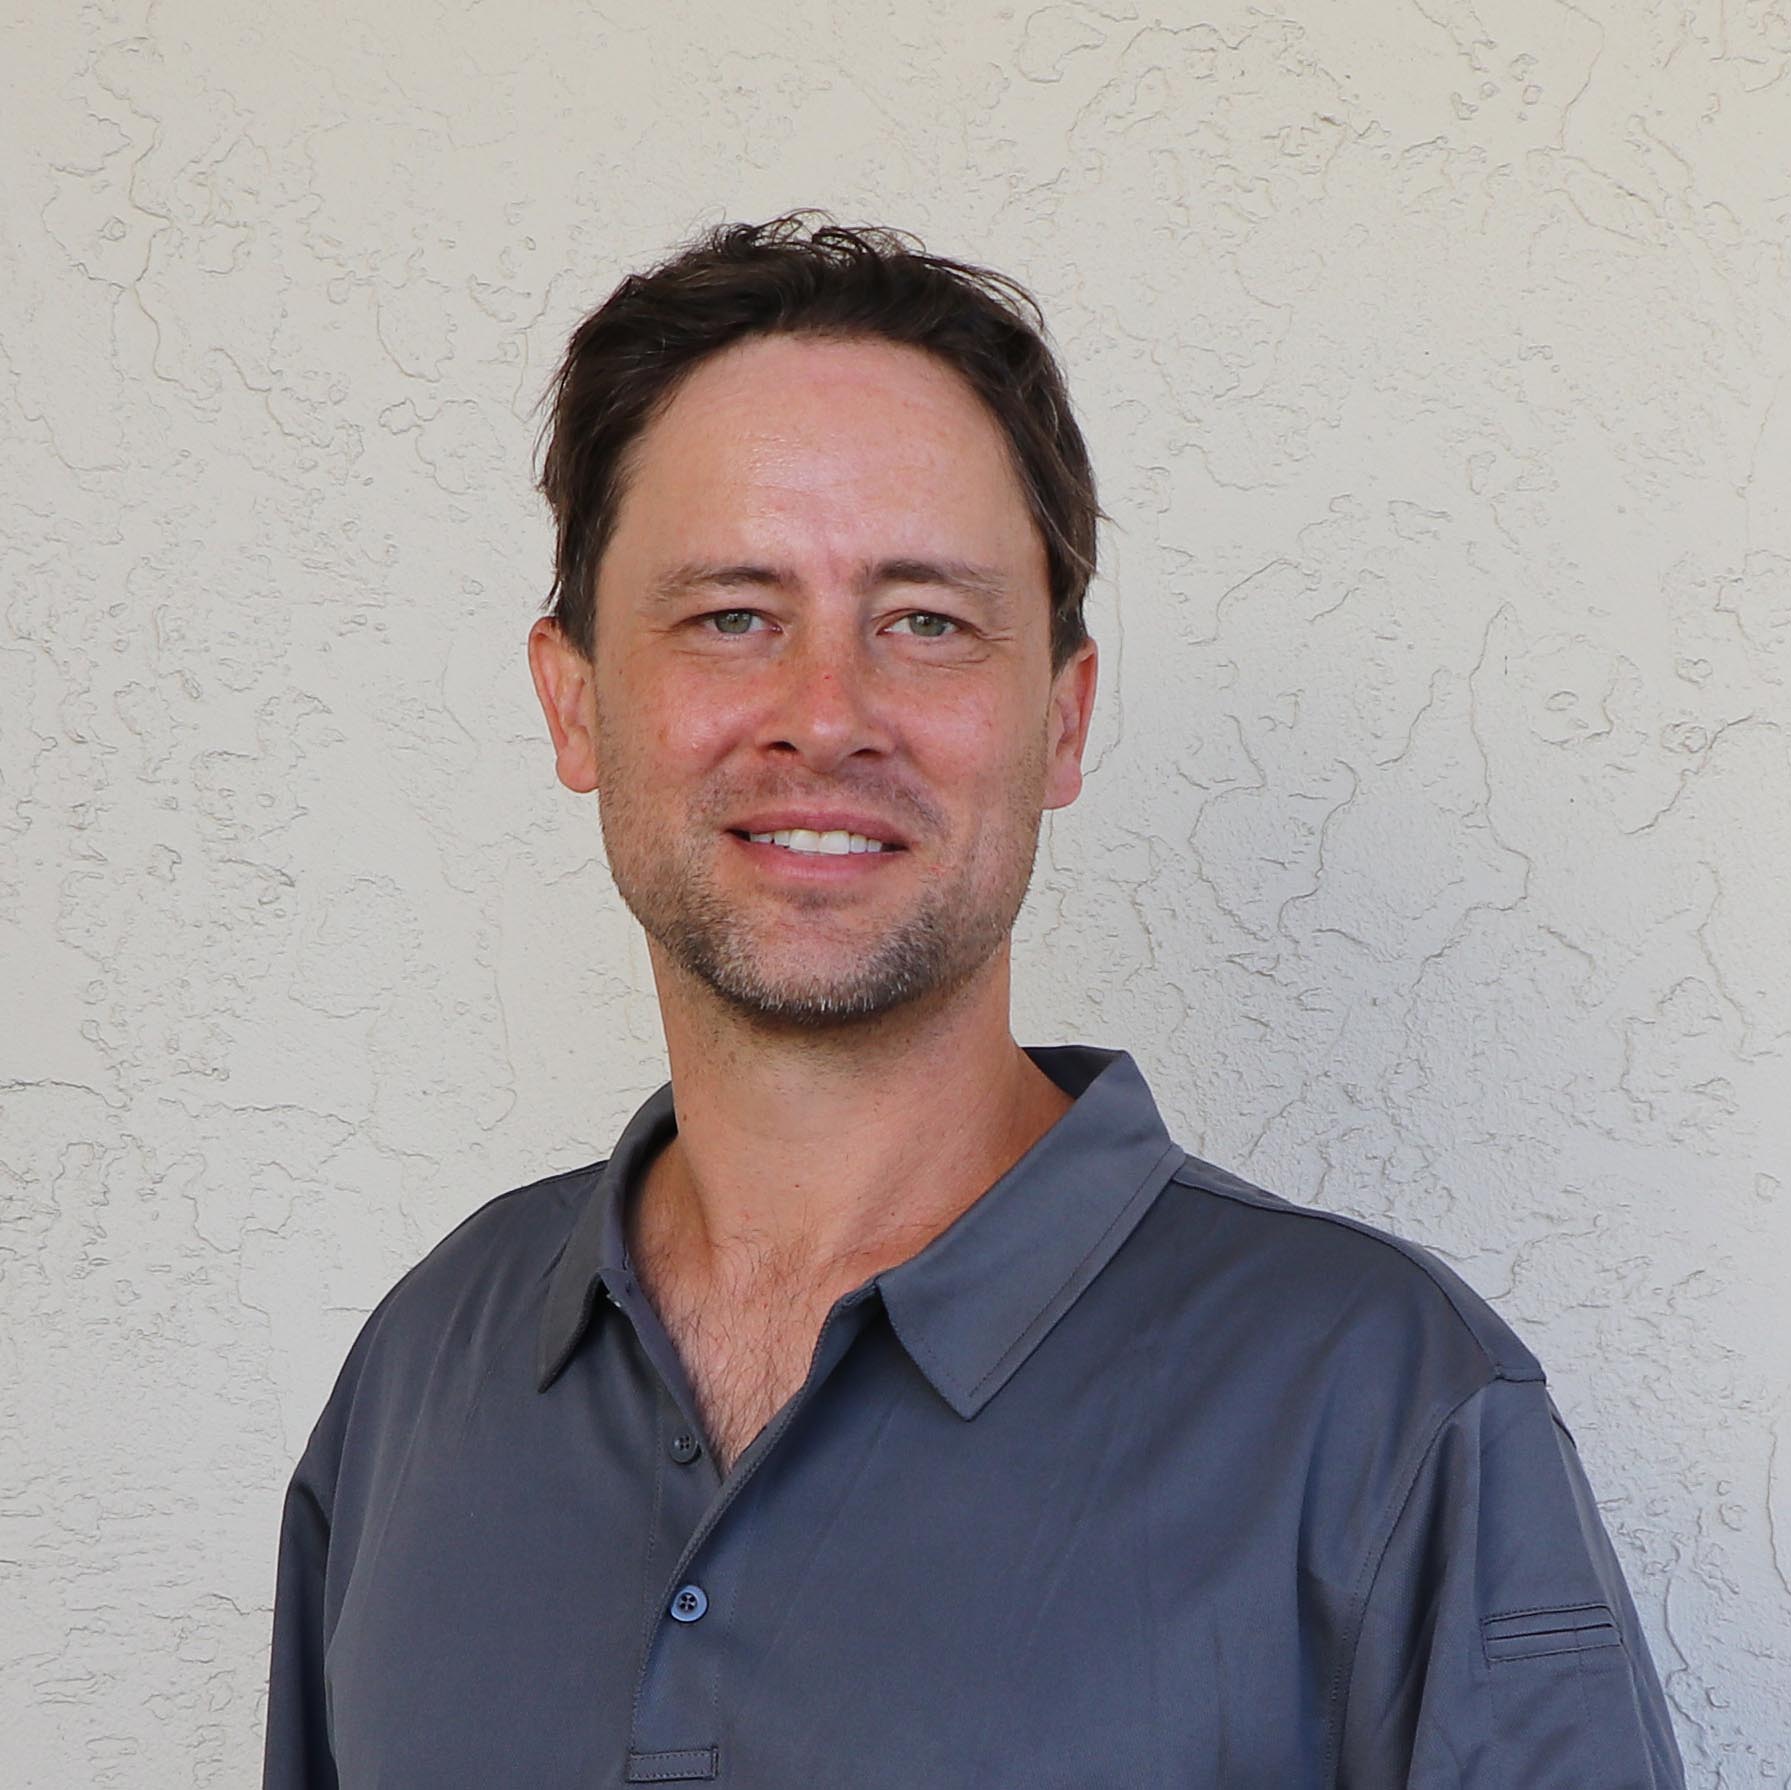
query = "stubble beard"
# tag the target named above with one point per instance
(937, 945)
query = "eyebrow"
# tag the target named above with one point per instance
(960, 575)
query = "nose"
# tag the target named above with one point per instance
(825, 704)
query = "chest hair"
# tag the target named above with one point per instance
(745, 1345)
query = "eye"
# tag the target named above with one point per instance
(927, 625)
(733, 621)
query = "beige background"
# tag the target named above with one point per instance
(1436, 367)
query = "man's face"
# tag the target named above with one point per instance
(784, 647)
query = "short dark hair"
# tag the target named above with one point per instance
(627, 360)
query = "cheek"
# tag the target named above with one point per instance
(987, 758)
(679, 721)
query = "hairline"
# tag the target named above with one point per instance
(628, 459)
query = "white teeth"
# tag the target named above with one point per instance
(835, 844)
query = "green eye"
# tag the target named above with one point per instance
(927, 625)
(733, 621)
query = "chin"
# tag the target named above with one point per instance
(806, 1000)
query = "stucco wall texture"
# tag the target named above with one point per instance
(1437, 366)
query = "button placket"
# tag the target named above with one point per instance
(678, 1687)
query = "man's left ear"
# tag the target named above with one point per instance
(1072, 704)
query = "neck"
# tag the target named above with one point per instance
(834, 1152)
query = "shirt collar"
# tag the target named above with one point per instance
(979, 1298)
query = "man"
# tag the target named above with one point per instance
(898, 1407)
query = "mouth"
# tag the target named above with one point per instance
(809, 842)
(797, 858)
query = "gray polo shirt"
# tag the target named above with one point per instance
(1135, 1476)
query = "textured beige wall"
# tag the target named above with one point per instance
(1437, 365)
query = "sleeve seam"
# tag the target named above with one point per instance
(1342, 1681)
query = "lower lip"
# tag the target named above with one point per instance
(816, 866)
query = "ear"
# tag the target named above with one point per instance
(566, 682)
(1072, 705)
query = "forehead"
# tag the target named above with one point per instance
(825, 450)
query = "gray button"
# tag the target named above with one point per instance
(685, 1447)
(688, 1603)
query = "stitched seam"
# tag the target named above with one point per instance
(1566, 1628)
(1598, 1630)
(726, 1618)
(668, 1766)
(1517, 1659)
(1337, 1709)
(1396, 1245)
(1545, 1610)
(656, 1616)
(564, 1351)
(587, 1307)
(1093, 1250)
(732, 1488)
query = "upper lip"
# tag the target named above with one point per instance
(819, 820)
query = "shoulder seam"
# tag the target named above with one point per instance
(498, 1199)
(1406, 1250)
(376, 1317)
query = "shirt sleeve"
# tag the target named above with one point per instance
(297, 1753)
(1499, 1647)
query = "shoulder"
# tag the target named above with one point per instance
(497, 1255)
(461, 1299)
(1303, 1268)
(515, 1236)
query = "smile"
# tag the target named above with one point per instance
(835, 844)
